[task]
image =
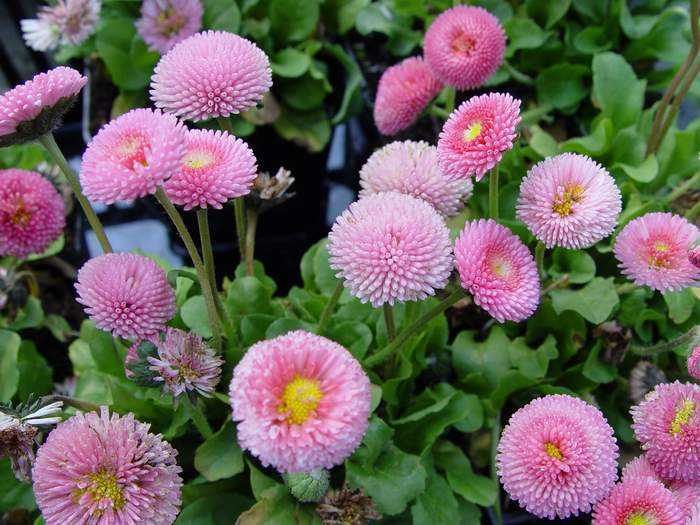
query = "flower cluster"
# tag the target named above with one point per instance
(65, 22)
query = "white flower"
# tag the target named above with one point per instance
(40, 34)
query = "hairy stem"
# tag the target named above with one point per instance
(690, 335)
(682, 189)
(389, 321)
(251, 227)
(239, 209)
(493, 193)
(205, 242)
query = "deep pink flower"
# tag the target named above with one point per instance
(667, 424)
(390, 247)
(642, 501)
(211, 74)
(694, 255)
(132, 155)
(403, 92)
(36, 107)
(694, 362)
(569, 200)
(464, 46)
(32, 213)
(126, 294)
(653, 251)
(302, 402)
(557, 456)
(686, 496)
(164, 23)
(639, 467)
(411, 168)
(498, 270)
(102, 469)
(473, 139)
(216, 167)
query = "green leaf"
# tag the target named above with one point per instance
(543, 143)
(592, 40)
(576, 264)
(278, 507)
(546, 12)
(259, 482)
(616, 89)
(9, 375)
(221, 14)
(219, 457)
(247, 295)
(353, 80)
(532, 363)
(595, 144)
(303, 93)
(254, 326)
(324, 276)
(561, 85)
(194, 314)
(645, 172)
(635, 26)
(595, 301)
(311, 129)
(290, 63)
(13, 495)
(597, 370)
(30, 316)
(680, 305)
(214, 509)
(388, 475)
(293, 20)
(353, 335)
(523, 33)
(340, 15)
(436, 504)
(35, 374)
(461, 477)
(53, 248)
(283, 326)
(486, 361)
(58, 327)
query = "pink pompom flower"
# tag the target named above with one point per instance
(639, 467)
(126, 294)
(211, 74)
(164, 23)
(390, 247)
(302, 402)
(102, 469)
(473, 139)
(32, 213)
(694, 362)
(498, 270)
(132, 155)
(411, 168)
(216, 167)
(464, 46)
(403, 92)
(569, 200)
(557, 456)
(653, 251)
(35, 108)
(638, 501)
(667, 424)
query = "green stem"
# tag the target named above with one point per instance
(239, 209)
(329, 309)
(207, 292)
(493, 193)
(692, 212)
(450, 96)
(50, 145)
(495, 436)
(200, 420)
(438, 112)
(667, 346)
(205, 242)
(389, 321)
(251, 227)
(680, 190)
(539, 258)
(83, 406)
(401, 338)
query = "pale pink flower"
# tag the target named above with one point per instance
(302, 402)
(464, 46)
(640, 500)
(667, 424)
(694, 255)
(211, 74)
(76, 19)
(216, 167)
(36, 107)
(101, 469)
(557, 456)
(41, 33)
(639, 467)
(390, 247)
(694, 362)
(403, 92)
(164, 23)
(411, 168)
(132, 155)
(569, 200)
(653, 251)
(32, 213)
(686, 496)
(126, 294)
(498, 270)
(473, 139)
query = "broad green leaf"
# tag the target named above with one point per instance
(461, 477)
(340, 15)
(353, 335)
(595, 144)
(53, 248)
(293, 20)
(597, 370)
(543, 143)
(59, 327)
(13, 495)
(546, 12)
(310, 129)
(283, 326)
(35, 374)
(645, 172)
(214, 509)
(680, 305)
(616, 89)
(219, 457)
(531, 362)
(247, 295)
(221, 14)
(561, 85)
(595, 301)
(523, 33)
(592, 40)
(290, 63)
(635, 26)
(194, 314)
(324, 276)
(9, 374)
(576, 264)
(254, 326)
(30, 316)
(436, 504)
(481, 361)
(304, 93)
(278, 507)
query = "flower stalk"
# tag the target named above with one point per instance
(493, 193)
(329, 309)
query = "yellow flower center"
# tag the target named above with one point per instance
(21, 215)
(636, 519)
(103, 486)
(500, 267)
(553, 451)
(472, 131)
(169, 21)
(199, 159)
(300, 398)
(683, 415)
(563, 205)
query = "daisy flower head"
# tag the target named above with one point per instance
(302, 402)
(498, 270)
(653, 250)
(557, 456)
(411, 168)
(164, 23)
(638, 501)
(464, 46)
(569, 200)
(476, 135)
(390, 247)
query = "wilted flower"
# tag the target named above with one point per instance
(390, 247)
(301, 401)
(473, 139)
(411, 168)
(464, 46)
(403, 92)
(164, 23)
(35, 108)
(96, 468)
(643, 379)
(638, 501)
(557, 456)
(345, 506)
